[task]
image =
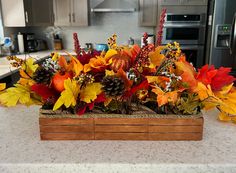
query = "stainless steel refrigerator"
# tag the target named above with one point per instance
(221, 44)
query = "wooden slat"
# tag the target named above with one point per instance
(67, 136)
(65, 121)
(120, 128)
(64, 129)
(130, 121)
(178, 121)
(121, 136)
(175, 129)
(175, 136)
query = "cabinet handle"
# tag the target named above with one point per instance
(69, 17)
(73, 14)
(26, 17)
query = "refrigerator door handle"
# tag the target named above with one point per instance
(233, 37)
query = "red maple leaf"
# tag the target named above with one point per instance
(221, 79)
(44, 91)
(100, 98)
(205, 74)
(143, 85)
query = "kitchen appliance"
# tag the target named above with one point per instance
(194, 54)
(221, 44)
(41, 45)
(184, 28)
(30, 43)
(114, 6)
(187, 26)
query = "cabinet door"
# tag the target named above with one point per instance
(195, 2)
(62, 12)
(171, 2)
(42, 12)
(13, 13)
(148, 12)
(79, 12)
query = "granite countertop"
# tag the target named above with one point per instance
(6, 69)
(22, 151)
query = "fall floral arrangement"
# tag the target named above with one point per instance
(159, 78)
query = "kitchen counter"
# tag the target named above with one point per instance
(6, 69)
(22, 151)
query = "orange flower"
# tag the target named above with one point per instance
(98, 64)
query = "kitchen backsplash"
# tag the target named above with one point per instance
(102, 25)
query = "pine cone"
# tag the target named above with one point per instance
(113, 86)
(42, 76)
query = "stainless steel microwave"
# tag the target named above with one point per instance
(184, 28)
(184, 34)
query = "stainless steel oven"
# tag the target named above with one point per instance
(194, 54)
(185, 29)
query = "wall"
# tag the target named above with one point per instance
(102, 26)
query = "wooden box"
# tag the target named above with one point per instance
(139, 126)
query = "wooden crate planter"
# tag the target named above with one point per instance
(139, 126)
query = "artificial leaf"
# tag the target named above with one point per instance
(222, 78)
(55, 56)
(19, 93)
(165, 97)
(25, 79)
(90, 92)
(44, 91)
(109, 72)
(143, 85)
(188, 105)
(29, 66)
(77, 66)
(224, 117)
(187, 73)
(110, 53)
(69, 95)
(2, 86)
(205, 74)
(156, 57)
(159, 80)
(128, 83)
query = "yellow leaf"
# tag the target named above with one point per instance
(69, 95)
(156, 57)
(224, 117)
(77, 66)
(16, 94)
(29, 66)
(90, 92)
(110, 53)
(55, 56)
(2, 86)
(25, 79)
(110, 72)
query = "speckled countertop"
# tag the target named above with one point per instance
(6, 69)
(21, 150)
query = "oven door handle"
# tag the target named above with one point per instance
(183, 25)
(233, 37)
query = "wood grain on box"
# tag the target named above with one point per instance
(56, 126)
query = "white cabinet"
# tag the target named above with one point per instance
(71, 12)
(21, 13)
(13, 13)
(184, 2)
(148, 12)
